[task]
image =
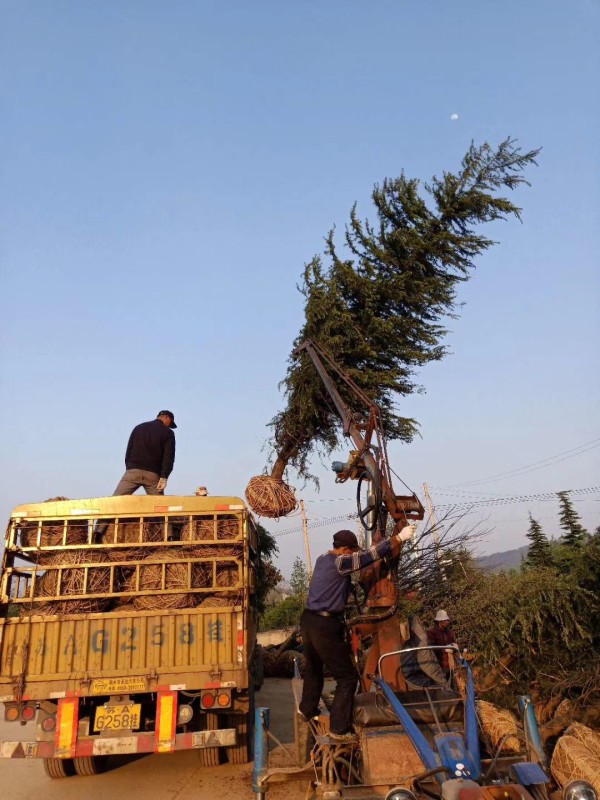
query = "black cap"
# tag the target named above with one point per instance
(167, 414)
(345, 539)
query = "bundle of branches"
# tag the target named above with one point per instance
(379, 309)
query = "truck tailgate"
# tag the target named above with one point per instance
(95, 653)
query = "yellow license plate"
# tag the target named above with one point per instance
(124, 717)
(118, 685)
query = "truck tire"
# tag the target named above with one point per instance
(243, 751)
(211, 756)
(59, 767)
(89, 765)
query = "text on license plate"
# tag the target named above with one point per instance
(118, 717)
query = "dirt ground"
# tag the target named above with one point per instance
(174, 776)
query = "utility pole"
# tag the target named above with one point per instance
(306, 542)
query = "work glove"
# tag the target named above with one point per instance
(161, 485)
(407, 532)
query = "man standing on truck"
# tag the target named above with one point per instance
(150, 456)
(323, 628)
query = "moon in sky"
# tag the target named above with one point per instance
(453, 117)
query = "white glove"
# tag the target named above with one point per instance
(161, 485)
(407, 532)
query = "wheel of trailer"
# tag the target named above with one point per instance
(59, 767)
(243, 751)
(211, 756)
(89, 765)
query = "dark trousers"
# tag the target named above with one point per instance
(325, 645)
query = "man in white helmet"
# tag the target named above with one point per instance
(441, 634)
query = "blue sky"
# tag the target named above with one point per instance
(168, 168)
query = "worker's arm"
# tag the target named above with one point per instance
(168, 458)
(364, 558)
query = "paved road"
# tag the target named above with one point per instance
(174, 776)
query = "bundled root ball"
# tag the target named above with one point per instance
(72, 582)
(176, 576)
(130, 532)
(497, 723)
(270, 497)
(227, 527)
(212, 601)
(590, 738)
(573, 760)
(52, 535)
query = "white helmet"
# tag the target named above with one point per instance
(442, 616)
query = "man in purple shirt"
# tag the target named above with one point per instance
(323, 629)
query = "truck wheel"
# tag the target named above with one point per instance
(59, 767)
(89, 765)
(210, 756)
(243, 751)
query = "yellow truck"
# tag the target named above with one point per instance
(127, 625)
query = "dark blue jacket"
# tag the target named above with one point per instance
(151, 446)
(330, 583)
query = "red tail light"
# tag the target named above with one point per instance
(208, 700)
(28, 713)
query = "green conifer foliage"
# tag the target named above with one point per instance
(379, 307)
(569, 520)
(540, 552)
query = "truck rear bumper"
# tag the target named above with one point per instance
(107, 746)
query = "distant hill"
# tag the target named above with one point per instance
(508, 559)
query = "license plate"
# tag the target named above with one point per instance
(124, 717)
(118, 685)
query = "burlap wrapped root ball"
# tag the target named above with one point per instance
(572, 760)
(590, 738)
(209, 528)
(498, 723)
(176, 576)
(72, 582)
(131, 532)
(52, 535)
(270, 497)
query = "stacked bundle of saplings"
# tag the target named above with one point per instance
(378, 309)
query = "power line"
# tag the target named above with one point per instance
(584, 493)
(545, 462)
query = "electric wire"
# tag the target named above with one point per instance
(583, 493)
(541, 464)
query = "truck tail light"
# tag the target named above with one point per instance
(224, 699)
(11, 713)
(28, 713)
(207, 700)
(49, 724)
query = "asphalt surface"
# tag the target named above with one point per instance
(172, 776)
